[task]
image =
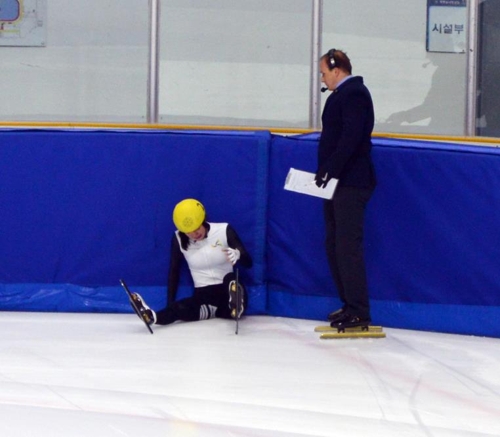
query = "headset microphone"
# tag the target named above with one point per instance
(323, 89)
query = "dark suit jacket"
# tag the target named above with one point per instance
(345, 143)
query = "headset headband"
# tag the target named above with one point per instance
(331, 58)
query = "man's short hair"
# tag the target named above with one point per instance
(337, 59)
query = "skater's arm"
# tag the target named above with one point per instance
(174, 270)
(234, 242)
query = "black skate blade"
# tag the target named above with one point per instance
(134, 305)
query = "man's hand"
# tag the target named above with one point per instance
(322, 178)
(233, 255)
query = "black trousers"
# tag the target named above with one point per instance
(344, 220)
(206, 303)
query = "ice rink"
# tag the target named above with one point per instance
(104, 375)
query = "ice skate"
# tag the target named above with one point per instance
(236, 299)
(348, 326)
(334, 315)
(346, 320)
(146, 314)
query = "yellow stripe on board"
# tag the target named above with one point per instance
(278, 130)
(66, 125)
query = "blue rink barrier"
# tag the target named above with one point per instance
(86, 208)
(82, 209)
(431, 246)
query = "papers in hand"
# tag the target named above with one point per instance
(303, 182)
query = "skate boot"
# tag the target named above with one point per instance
(145, 313)
(236, 300)
(347, 320)
(334, 315)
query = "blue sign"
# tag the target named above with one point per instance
(9, 10)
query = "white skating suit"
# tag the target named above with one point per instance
(206, 259)
(207, 262)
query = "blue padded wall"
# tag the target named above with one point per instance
(81, 209)
(432, 252)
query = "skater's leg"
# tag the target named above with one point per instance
(187, 310)
(206, 303)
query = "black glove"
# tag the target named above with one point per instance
(322, 178)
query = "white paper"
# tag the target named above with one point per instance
(303, 182)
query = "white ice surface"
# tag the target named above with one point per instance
(104, 375)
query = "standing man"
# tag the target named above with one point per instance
(344, 154)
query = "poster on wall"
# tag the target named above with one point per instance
(22, 23)
(446, 26)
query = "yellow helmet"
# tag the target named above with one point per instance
(188, 215)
